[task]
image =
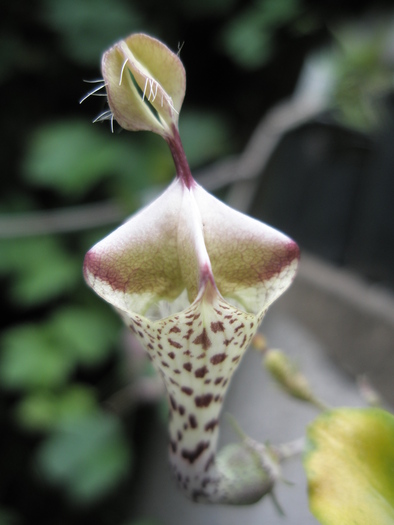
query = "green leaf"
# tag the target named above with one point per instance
(249, 38)
(72, 157)
(204, 136)
(247, 42)
(350, 467)
(41, 268)
(44, 411)
(69, 157)
(85, 334)
(30, 359)
(87, 28)
(87, 456)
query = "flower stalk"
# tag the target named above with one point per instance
(192, 279)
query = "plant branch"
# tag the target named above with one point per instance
(64, 220)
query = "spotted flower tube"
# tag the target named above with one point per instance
(192, 279)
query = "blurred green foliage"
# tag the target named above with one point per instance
(250, 37)
(62, 355)
(86, 28)
(86, 454)
(363, 66)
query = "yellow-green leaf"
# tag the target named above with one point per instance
(350, 467)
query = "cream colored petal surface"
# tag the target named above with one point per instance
(252, 262)
(155, 255)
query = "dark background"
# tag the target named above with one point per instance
(65, 456)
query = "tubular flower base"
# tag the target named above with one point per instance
(193, 278)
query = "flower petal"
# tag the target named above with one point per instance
(145, 84)
(155, 256)
(196, 351)
(252, 262)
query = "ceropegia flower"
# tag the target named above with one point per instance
(193, 278)
(145, 84)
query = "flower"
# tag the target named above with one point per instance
(145, 84)
(192, 279)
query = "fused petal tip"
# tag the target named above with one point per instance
(145, 83)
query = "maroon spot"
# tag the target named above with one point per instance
(193, 421)
(236, 359)
(189, 316)
(165, 364)
(158, 337)
(159, 346)
(192, 455)
(173, 446)
(225, 382)
(217, 327)
(140, 334)
(238, 328)
(185, 426)
(243, 340)
(181, 410)
(190, 323)
(150, 346)
(201, 372)
(226, 342)
(187, 352)
(173, 404)
(251, 325)
(159, 354)
(197, 316)
(200, 356)
(179, 435)
(176, 371)
(174, 343)
(224, 306)
(205, 482)
(209, 463)
(188, 367)
(203, 401)
(199, 495)
(173, 382)
(175, 330)
(218, 398)
(207, 381)
(228, 316)
(203, 340)
(189, 333)
(218, 380)
(218, 311)
(170, 354)
(211, 425)
(188, 391)
(218, 358)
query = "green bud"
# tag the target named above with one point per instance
(145, 83)
(287, 375)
